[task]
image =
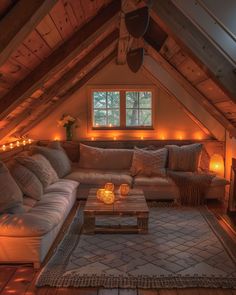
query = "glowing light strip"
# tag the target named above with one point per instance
(15, 144)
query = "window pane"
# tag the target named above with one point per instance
(113, 117)
(145, 117)
(145, 99)
(100, 118)
(113, 99)
(132, 117)
(132, 99)
(99, 99)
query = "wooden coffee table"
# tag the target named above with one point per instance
(134, 205)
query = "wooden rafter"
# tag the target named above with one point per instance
(71, 90)
(59, 85)
(19, 22)
(200, 98)
(185, 32)
(60, 57)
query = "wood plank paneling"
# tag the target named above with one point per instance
(79, 42)
(20, 281)
(5, 275)
(25, 57)
(48, 31)
(212, 91)
(191, 71)
(62, 21)
(24, 21)
(204, 52)
(36, 44)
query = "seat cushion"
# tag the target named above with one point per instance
(105, 159)
(41, 167)
(57, 157)
(11, 197)
(100, 177)
(43, 216)
(165, 181)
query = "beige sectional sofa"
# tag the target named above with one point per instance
(26, 236)
(114, 165)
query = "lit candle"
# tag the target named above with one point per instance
(24, 142)
(92, 138)
(17, 143)
(29, 141)
(4, 147)
(11, 146)
(110, 125)
(141, 137)
(114, 138)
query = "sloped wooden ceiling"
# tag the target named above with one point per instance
(70, 43)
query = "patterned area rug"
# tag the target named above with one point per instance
(185, 247)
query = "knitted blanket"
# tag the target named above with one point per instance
(192, 186)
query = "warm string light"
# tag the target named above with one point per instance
(16, 144)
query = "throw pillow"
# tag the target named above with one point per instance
(41, 167)
(11, 197)
(149, 162)
(28, 182)
(184, 158)
(57, 157)
(105, 159)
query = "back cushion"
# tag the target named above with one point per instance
(27, 181)
(41, 167)
(105, 159)
(11, 197)
(56, 156)
(149, 162)
(184, 158)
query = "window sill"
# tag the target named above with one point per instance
(124, 128)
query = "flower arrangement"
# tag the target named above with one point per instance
(67, 121)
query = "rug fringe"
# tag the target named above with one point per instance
(144, 282)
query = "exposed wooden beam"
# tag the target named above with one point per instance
(19, 22)
(86, 35)
(184, 31)
(188, 95)
(73, 89)
(60, 84)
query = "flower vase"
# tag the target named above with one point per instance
(68, 132)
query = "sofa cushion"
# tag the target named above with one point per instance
(152, 181)
(100, 177)
(11, 197)
(41, 167)
(43, 217)
(166, 181)
(184, 158)
(105, 159)
(149, 162)
(28, 182)
(57, 157)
